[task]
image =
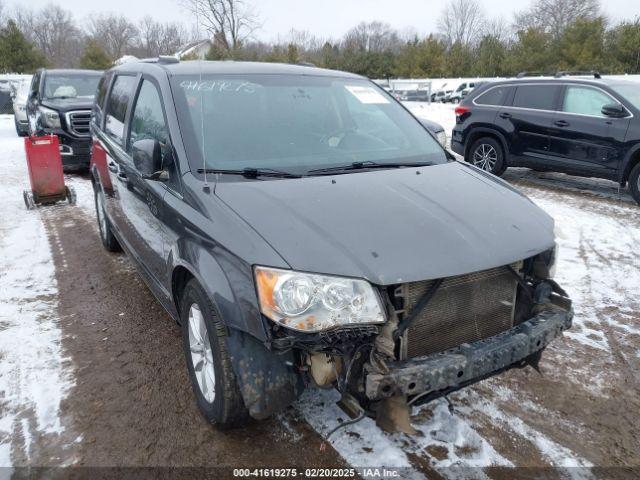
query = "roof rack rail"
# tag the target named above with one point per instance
(168, 59)
(531, 74)
(306, 64)
(565, 73)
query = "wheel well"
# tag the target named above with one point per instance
(632, 163)
(179, 279)
(473, 136)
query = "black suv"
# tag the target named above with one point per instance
(306, 230)
(580, 126)
(60, 103)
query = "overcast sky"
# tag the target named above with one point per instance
(325, 18)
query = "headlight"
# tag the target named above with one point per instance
(49, 118)
(311, 303)
(442, 138)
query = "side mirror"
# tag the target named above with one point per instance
(614, 110)
(147, 158)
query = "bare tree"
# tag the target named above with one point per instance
(115, 33)
(53, 30)
(372, 37)
(156, 38)
(461, 22)
(228, 22)
(554, 16)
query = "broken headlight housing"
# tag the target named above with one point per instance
(49, 118)
(308, 302)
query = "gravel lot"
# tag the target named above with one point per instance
(92, 373)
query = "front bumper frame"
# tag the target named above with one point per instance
(461, 366)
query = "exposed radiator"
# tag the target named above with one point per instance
(464, 309)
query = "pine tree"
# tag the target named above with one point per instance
(17, 55)
(94, 57)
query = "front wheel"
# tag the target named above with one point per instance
(486, 153)
(634, 183)
(208, 362)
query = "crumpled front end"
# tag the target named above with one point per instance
(441, 335)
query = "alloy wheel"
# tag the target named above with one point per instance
(201, 354)
(485, 157)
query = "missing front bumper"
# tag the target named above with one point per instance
(469, 362)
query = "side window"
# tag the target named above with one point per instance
(537, 97)
(585, 100)
(35, 84)
(493, 97)
(116, 111)
(99, 102)
(148, 122)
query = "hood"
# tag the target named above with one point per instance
(393, 226)
(430, 125)
(67, 104)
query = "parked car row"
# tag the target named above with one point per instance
(580, 126)
(306, 231)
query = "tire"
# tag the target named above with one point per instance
(223, 406)
(109, 241)
(487, 154)
(634, 183)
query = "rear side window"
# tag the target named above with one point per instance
(117, 107)
(585, 101)
(537, 97)
(494, 96)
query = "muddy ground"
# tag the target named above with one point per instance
(132, 405)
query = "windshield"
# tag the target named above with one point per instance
(70, 86)
(630, 92)
(295, 123)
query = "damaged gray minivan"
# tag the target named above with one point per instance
(305, 230)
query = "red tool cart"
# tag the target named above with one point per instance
(45, 172)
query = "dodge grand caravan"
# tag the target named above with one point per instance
(304, 229)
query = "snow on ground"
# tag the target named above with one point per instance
(34, 375)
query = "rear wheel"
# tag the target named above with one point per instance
(634, 183)
(208, 363)
(486, 153)
(104, 225)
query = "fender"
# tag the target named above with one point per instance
(627, 164)
(237, 304)
(266, 379)
(491, 131)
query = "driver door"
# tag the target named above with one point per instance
(144, 208)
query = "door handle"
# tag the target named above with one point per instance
(505, 115)
(113, 167)
(561, 123)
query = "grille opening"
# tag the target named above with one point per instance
(78, 123)
(465, 309)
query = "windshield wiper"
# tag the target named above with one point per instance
(367, 164)
(252, 172)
